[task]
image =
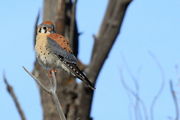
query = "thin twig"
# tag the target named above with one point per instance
(174, 99)
(55, 98)
(54, 81)
(52, 91)
(136, 83)
(161, 87)
(38, 82)
(130, 112)
(13, 95)
(128, 89)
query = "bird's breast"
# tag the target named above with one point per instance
(45, 57)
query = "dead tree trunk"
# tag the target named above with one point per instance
(75, 98)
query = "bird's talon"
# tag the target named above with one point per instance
(50, 72)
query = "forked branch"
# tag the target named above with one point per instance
(161, 87)
(134, 94)
(52, 91)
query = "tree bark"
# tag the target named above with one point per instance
(75, 98)
(104, 41)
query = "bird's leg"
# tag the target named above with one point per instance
(50, 72)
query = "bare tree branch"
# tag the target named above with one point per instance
(13, 95)
(136, 83)
(174, 99)
(161, 87)
(38, 82)
(51, 91)
(134, 94)
(105, 38)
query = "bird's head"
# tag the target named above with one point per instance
(46, 27)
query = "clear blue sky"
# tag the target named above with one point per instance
(151, 25)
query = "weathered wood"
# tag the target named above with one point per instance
(104, 41)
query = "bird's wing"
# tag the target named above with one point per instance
(78, 73)
(60, 46)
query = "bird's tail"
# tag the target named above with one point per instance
(78, 73)
(86, 81)
(83, 77)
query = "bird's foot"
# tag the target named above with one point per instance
(50, 72)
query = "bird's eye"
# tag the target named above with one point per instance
(44, 28)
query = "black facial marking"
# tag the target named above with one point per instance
(44, 28)
(40, 30)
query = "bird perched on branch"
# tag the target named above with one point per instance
(53, 51)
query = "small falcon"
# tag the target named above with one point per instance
(53, 51)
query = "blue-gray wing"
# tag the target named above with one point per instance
(61, 52)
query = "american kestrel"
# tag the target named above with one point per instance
(53, 51)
